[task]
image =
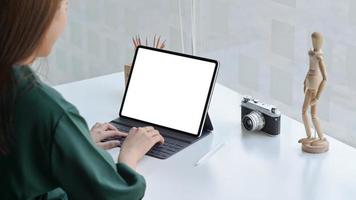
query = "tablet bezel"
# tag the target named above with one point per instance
(208, 99)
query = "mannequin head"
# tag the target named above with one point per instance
(317, 40)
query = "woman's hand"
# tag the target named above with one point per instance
(138, 142)
(101, 132)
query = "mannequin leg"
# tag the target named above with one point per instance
(316, 123)
(321, 140)
(306, 104)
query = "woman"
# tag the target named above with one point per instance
(46, 148)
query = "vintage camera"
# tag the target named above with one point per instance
(258, 116)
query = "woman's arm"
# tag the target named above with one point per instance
(85, 171)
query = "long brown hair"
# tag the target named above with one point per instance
(23, 25)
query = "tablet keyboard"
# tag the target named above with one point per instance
(161, 151)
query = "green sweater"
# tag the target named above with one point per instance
(52, 155)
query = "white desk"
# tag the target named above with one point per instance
(249, 166)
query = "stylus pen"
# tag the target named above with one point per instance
(209, 154)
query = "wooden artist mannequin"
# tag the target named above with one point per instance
(314, 84)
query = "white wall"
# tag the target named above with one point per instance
(261, 44)
(98, 38)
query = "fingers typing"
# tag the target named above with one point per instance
(109, 144)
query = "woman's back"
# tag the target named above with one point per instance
(44, 142)
(52, 148)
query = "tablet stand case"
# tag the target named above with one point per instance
(174, 141)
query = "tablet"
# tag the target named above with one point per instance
(169, 89)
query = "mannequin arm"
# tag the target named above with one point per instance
(324, 74)
(305, 84)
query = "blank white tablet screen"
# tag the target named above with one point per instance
(168, 90)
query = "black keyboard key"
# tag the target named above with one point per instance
(162, 151)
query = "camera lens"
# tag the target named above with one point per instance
(253, 121)
(248, 124)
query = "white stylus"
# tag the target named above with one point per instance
(209, 154)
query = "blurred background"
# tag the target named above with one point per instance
(262, 47)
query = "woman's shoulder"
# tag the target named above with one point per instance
(52, 98)
(40, 99)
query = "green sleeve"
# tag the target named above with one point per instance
(84, 171)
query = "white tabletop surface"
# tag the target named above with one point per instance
(248, 166)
